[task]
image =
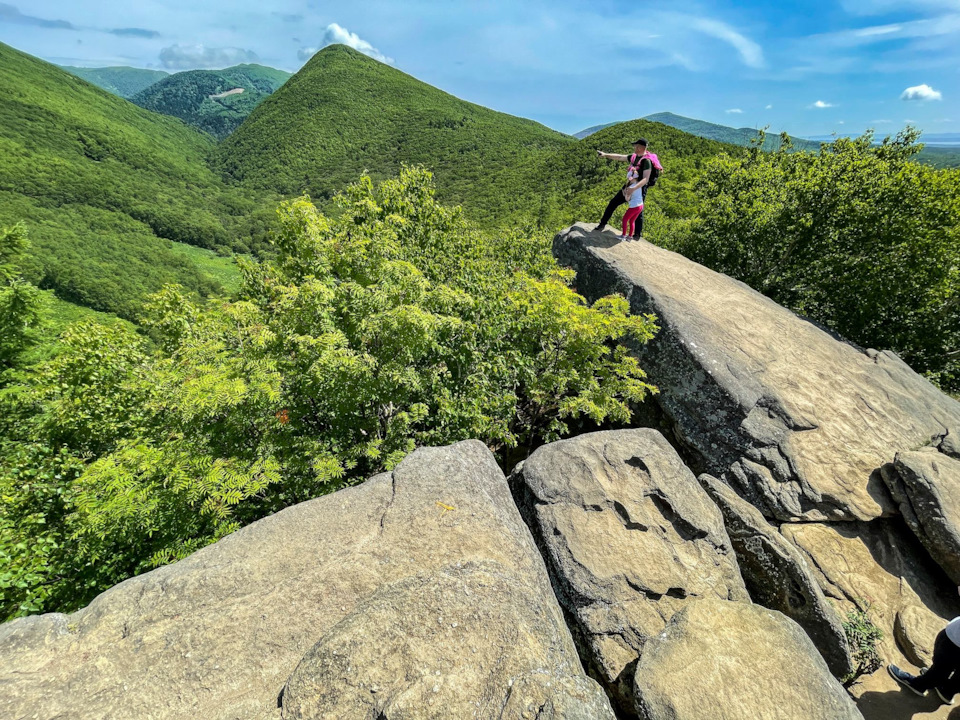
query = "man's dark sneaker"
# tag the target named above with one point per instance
(904, 678)
(947, 699)
(600, 227)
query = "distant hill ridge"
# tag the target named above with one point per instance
(215, 101)
(591, 130)
(735, 136)
(123, 81)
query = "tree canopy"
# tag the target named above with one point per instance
(390, 326)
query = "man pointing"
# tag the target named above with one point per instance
(644, 168)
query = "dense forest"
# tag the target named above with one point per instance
(363, 267)
(123, 81)
(209, 99)
(107, 189)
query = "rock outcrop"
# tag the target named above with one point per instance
(798, 422)
(629, 537)
(926, 486)
(778, 577)
(731, 661)
(879, 567)
(419, 594)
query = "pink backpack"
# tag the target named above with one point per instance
(654, 160)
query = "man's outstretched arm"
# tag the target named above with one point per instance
(613, 156)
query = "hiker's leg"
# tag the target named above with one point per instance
(628, 219)
(639, 231)
(946, 659)
(951, 687)
(950, 658)
(615, 202)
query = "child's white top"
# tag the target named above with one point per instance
(636, 200)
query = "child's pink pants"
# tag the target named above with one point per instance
(629, 218)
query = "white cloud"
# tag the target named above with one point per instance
(882, 7)
(190, 57)
(769, 107)
(820, 104)
(336, 35)
(750, 52)
(948, 24)
(841, 122)
(921, 92)
(736, 111)
(876, 31)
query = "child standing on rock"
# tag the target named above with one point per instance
(633, 192)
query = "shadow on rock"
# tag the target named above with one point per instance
(899, 704)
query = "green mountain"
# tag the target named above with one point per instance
(345, 113)
(106, 187)
(733, 136)
(591, 130)
(123, 81)
(215, 101)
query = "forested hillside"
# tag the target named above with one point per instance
(104, 187)
(209, 99)
(344, 114)
(390, 326)
(734, 136)
(123, 81)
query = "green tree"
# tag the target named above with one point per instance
(390, 326)
(20, 301)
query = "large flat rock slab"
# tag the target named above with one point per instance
(630, 538)
(419, 594)
(796, 420)
(731, 661)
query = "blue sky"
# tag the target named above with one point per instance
(808, 68)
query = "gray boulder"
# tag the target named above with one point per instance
(778, 577)
(882, 569)
(731, 661)
(630, 538)
(915, 630)
(797, 421)
(950, 444)
(419, 594)
(926, 486)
